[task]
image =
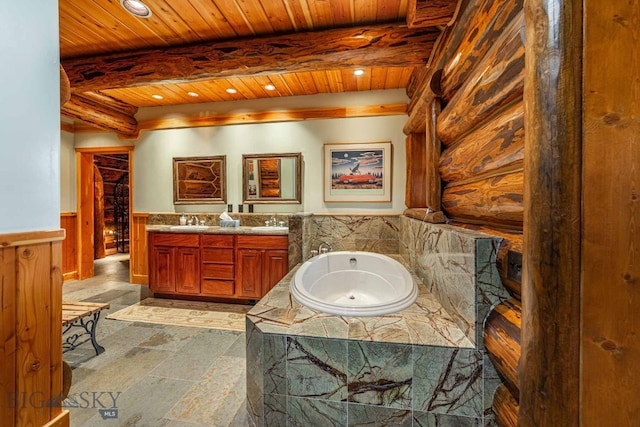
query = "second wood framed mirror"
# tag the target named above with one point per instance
(272, 178)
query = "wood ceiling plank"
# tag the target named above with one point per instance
(393, 77)
(234, 16)
(363, 82)
(244, 87)
(321, 81)
(349, 80)
(278, 15)
(320, 13)
(299, 14)
(341, 12)
(210, 13)
(255, 15)
(188, 21)
(364, 11)
(282, 86)
(307, 84)
(299, 52)
(387, 10)
(378, 78)
(334, 77)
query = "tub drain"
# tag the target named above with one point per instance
(352, 297)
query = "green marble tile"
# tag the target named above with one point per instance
(380, 374)
(275, 363)
(448, 381)
(378, 416)
(424, 419)
(303, 412)
(275, 410)
(317, 368)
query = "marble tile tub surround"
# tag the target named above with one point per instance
(369, 359)
(309, 368)
(371, 233)
(459, 267)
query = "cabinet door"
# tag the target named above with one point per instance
(187, 270)
(275, 266)
(162, 272)
(249, 273)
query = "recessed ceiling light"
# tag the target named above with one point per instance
(136, 8)
(358, 72)
(231, 90)
(270, 87)
(155, 96)
(194, 94)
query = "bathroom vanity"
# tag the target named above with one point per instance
(213, 262)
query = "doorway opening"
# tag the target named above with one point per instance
(104, 205)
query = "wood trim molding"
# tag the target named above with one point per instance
(31, 237)
(138, 262)
(108, 150)
(269, 116)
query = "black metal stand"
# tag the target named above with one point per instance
(89, 325)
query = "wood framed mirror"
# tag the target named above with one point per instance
(272, 178)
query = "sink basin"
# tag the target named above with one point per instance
(265, 228)
(188, 227)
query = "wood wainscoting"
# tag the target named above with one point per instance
(139, 260)
(69, 222)
(31, 329)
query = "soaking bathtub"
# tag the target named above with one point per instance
(354, 283)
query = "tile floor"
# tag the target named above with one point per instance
(158, 375)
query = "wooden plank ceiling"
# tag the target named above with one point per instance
(191, 51)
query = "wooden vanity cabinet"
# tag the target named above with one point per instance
(217, 269)
(175, 263)
(216, 265)
(261, 262)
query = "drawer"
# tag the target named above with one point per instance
(216, 287)
(175, 239)
(220, 255)
(263, 242)
(217, 271)
(215, 240)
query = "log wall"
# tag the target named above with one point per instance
(476, 76)
(31, 329)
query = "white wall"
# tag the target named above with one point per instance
(153, 153)
(29, 117)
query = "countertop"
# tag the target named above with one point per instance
(214, 229)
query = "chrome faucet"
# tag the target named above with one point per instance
(325, 247)
(193, 220)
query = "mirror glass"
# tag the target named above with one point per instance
(271, 178)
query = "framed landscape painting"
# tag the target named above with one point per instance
(199, 180)
(357, 172)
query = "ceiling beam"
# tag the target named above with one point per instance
(102, 112)
(431, 13)
(382, 45)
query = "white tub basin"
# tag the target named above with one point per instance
(353, 283)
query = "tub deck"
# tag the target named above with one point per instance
(425, 322)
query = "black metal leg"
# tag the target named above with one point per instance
(89, 325)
